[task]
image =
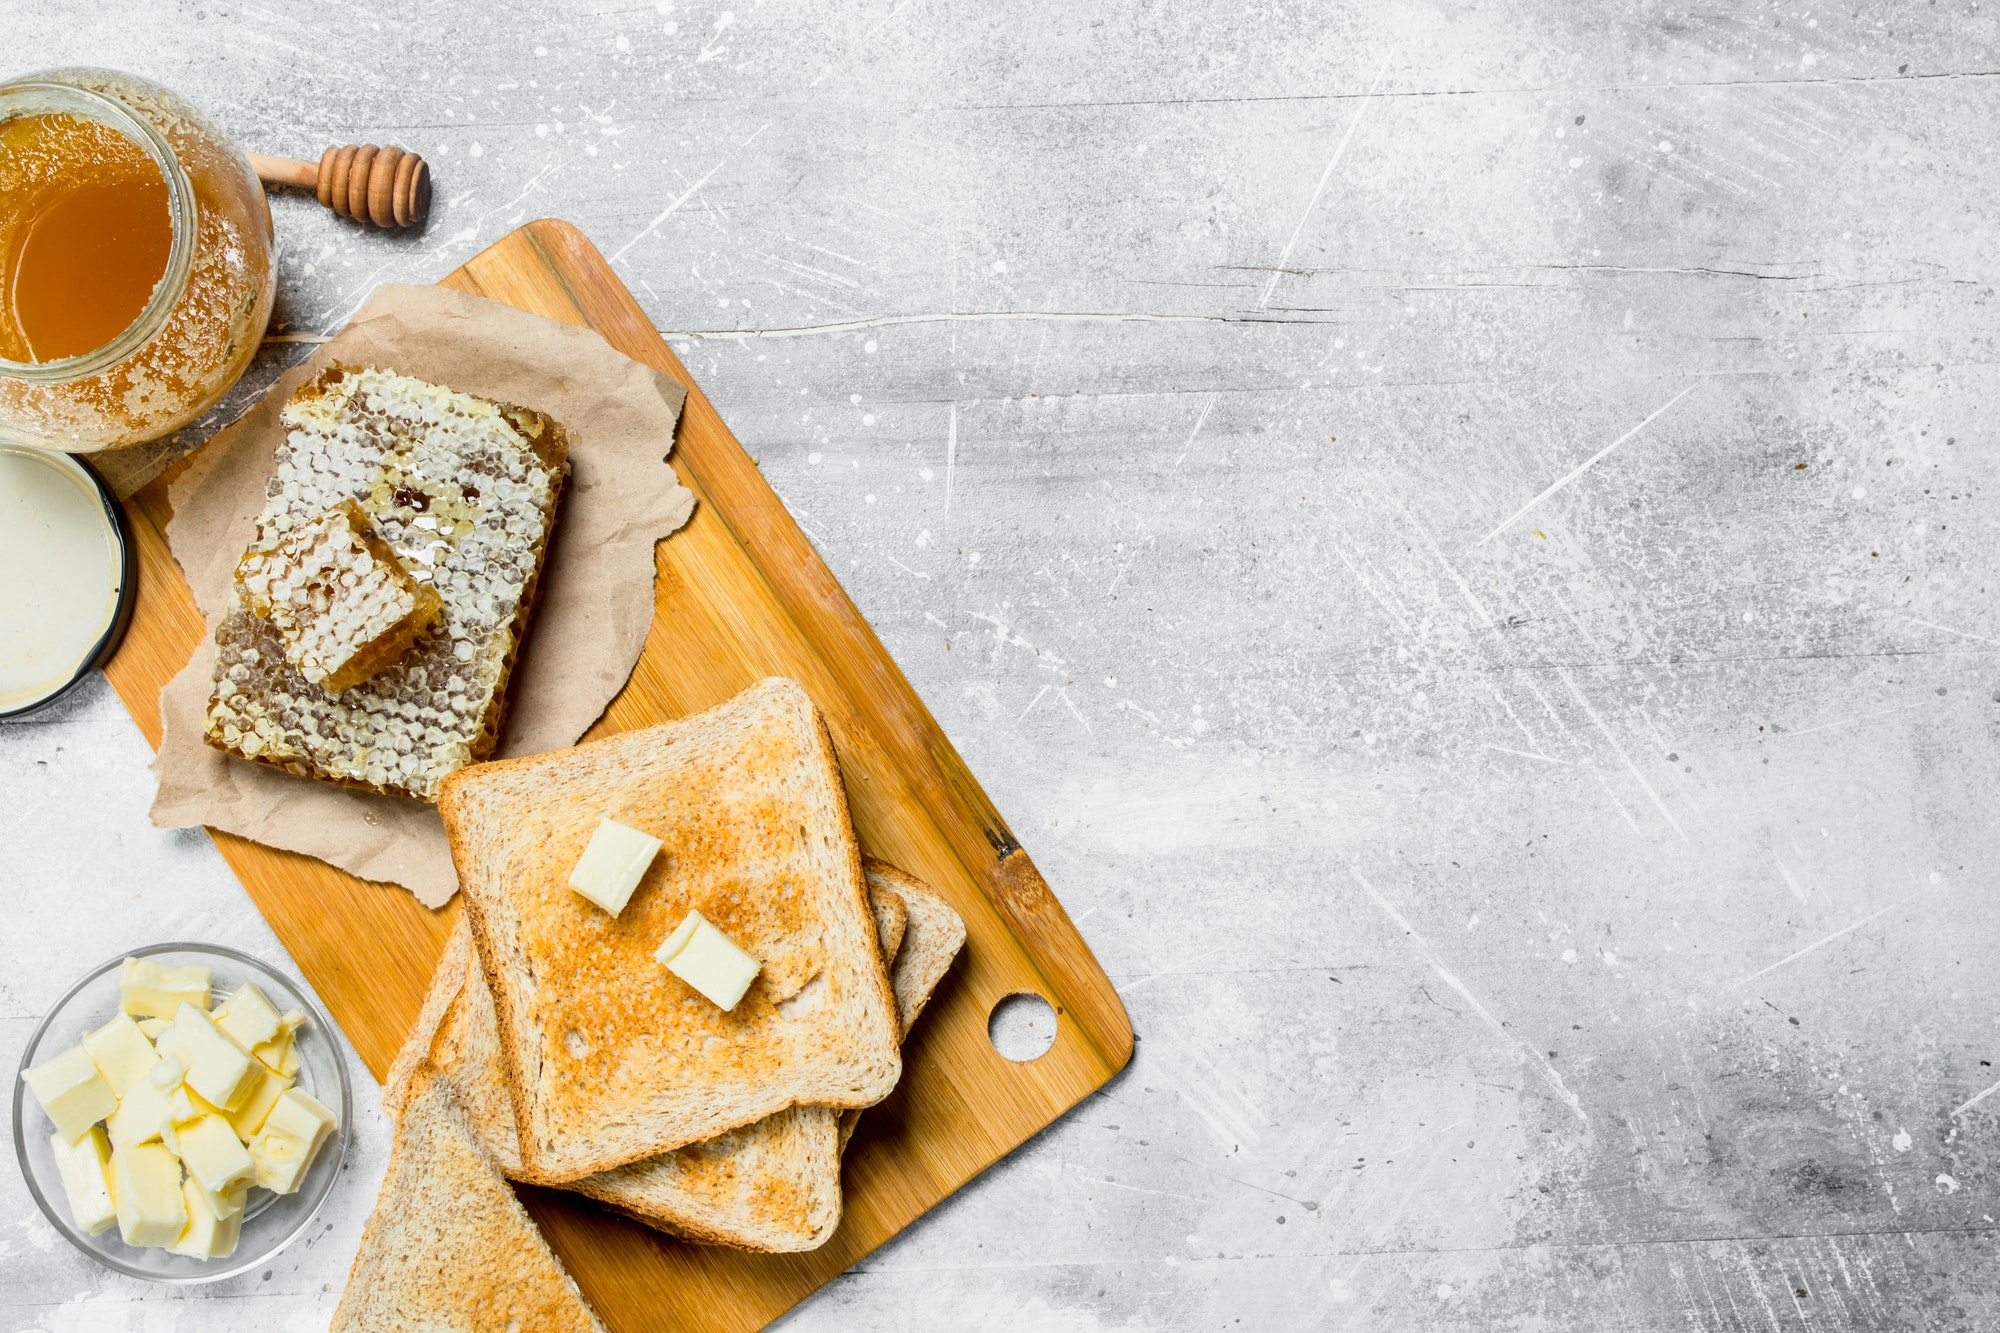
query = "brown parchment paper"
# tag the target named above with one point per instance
(597, 587)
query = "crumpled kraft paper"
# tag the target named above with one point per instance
(597, 587)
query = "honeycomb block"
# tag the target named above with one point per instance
(461, 493)
(343, 603)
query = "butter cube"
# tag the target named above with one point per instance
(277, 1053)
(225, 1205)
(612, 865)
(145, 1114)
(248, 1118)
(217, 1067)
(147, 989)
(121, 1053)
(187, 1107)
(146, 1185)
(183, 1104)
(281, 1160)
(72, 1091)
(86, 1176)
(292, 1134)
(213, 1227)
(175, 1043)
(214, 1156)
(247, 1018)
(303, 1116)
(170, 1078)
(169, 1073)
(149, 1107)
(153, 1027)
(709, 961)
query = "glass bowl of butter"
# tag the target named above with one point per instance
(182, 1113)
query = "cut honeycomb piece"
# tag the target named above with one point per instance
(341, 600)
(463, 492)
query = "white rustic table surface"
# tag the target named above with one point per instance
(1459, 534)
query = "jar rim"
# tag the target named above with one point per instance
(18, 97)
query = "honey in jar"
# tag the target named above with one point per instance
(135, 261)
(84, 235)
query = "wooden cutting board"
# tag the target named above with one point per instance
(740, 595)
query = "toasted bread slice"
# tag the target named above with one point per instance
(932, 936)
(457, 1038)
(772, 1186)
(611, 1058)
(448, 1246)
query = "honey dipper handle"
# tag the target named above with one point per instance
(284, 171)
(383, 186)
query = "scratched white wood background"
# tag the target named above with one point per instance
(1459, 535)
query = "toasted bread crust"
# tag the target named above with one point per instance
(892, 917)
(448, 980)
(747, 798)
(932, 937)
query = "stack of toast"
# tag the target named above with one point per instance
(556, 1047)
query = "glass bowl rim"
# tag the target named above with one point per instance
(59, 1217)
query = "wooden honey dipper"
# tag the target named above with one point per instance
(383, 186)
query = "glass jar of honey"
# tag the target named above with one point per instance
(136, 261)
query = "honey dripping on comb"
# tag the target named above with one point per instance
(85, 235)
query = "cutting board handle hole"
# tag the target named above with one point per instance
(1022, 1026)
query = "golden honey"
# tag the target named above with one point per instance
(135, 261)
(84, 235)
